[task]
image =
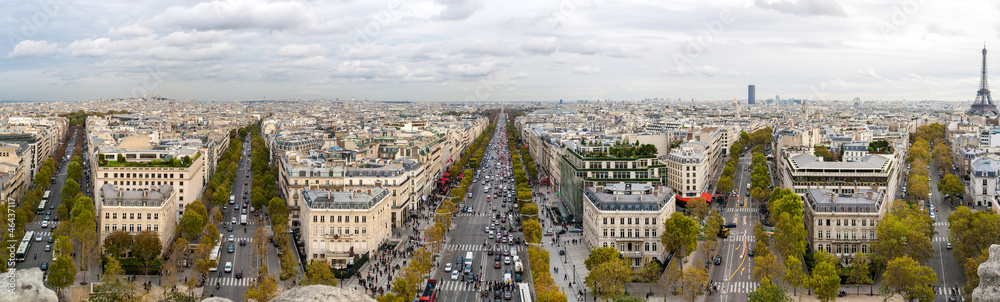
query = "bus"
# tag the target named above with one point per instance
(22, 249)
(46, 196)
(214, 256)
(525, 292)
(41, 206)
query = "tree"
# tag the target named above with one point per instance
(651, 271)
(693, 282)
(673, 275)
(951, 186)
(319, 273)
(84, 232)
(264, 288)
(790, 239)
(768, 292)
(210, 235)
(601, 255)
(279, 211)
(608, 278)
(714, 223)
(74, 170)
(903, 232)
(146, 248)
(767, 267)
(680, 233)
(823, 152)
(191, 225)
(698, 208)
(114, 288)
(825, 280)
(794, 275)
(61, 273)
(725, 184)
(69, 191)
(289, 266)
(971, 234)
(859, 270)
(942, 157)
(906, 277)
(532, 231)
(117, 244)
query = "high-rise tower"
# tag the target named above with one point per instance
(751, 95)
(984, 103)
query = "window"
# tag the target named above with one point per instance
(107, 227)
(156, 228)
(149, 216)
(647, 232)
(864, 248)
(356, 230)
(114, 227)
(605, 232)
(156, 216)
(315, 218)
(621, 220)
(854, 222)
(364, 230)
(612, 232)
(107, 215)
(355, 219)
(838, 222)
(647, 220)
(827, 222)
(827, 234)
(339, 219)
(654, 222)
(323, 219)
(364, 218)
(647, 246)
(863, 222)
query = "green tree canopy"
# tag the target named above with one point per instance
(680, 233)
(906, 277)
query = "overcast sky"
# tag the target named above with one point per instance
(469, 50)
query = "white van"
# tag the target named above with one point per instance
(232, 199)
(229, 267)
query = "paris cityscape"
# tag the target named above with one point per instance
(465, 150)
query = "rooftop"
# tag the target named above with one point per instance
(863, 201)
(154, 197)
(629, 197)
(323, 199)
(868, 164)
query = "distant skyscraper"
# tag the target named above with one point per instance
(751, 95)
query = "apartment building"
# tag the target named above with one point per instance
(340, 172)
(688, 169)
(13, 178)
(629, 218)
(843, 224)
(984, 173)
(39, 136)
(803, 171)
(181, 168)
(854, 151)
(134, 210)
(339, 225)
(593, 164)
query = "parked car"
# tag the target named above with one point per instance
(718, 260)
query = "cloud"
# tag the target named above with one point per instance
(299, 50)
(869, 73)
(458, 9)
(585, 70)
(235, 14)
(130, 31)
(544, 46)
(805, 8)
(32, 48)
(703, 70)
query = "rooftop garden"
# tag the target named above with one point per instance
(170, 162)
(619, 149)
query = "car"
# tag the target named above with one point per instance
(454, 275)
(48, 247)
(244, 196)
(496, 264)
(48, 212)
(231, 249)
(233, 221)
(506, 295)
(232, 238)
(244, 183)
(225, 208)
(52, 207)
(496, 294)
(506, 260)
(47, 217)
(229, 267)
(447, 267)
(236, 207)
(45, 224)
(470, 194)
(243, 211)
(750, 253)
(949, 245)
(239, 274)
(494, 209)
(50, 239)
(506, 252)
(490, 236)
(489, 252)
(45, 266)
(243, 242)
(718, 260)
(229, 228)
(38, 238)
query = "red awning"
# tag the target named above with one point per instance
(461, 175)
(446, 174)
(707, 197)
(444, 179)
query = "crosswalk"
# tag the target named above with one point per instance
(454, 286)
(236, 240)
(740, 238)
(946, 291)
(464, 214)
(479, 247)
(736, 287)
(941, 223)
(742, 210)
(229, 281)
(940, 238)
(43, 234)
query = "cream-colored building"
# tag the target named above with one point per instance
(339, 225)
(687, 169)
(13, 179)
(843, 224)
(135, 210)
(629, 218)
(145, 168)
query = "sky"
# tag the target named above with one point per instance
(512, 50)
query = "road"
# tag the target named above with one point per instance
(242, 258)
(950, 276)
(733, 277)
(55, 199)
(470, 233)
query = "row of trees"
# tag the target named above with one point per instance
(29, 200)
(760, 177)
(971, 234)
(538, 258)
(759, 138)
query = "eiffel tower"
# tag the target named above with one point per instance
(984, 103)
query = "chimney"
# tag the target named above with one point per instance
(870, 195)
(833, 197)
(329, 195)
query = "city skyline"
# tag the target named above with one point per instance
(457, 51)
